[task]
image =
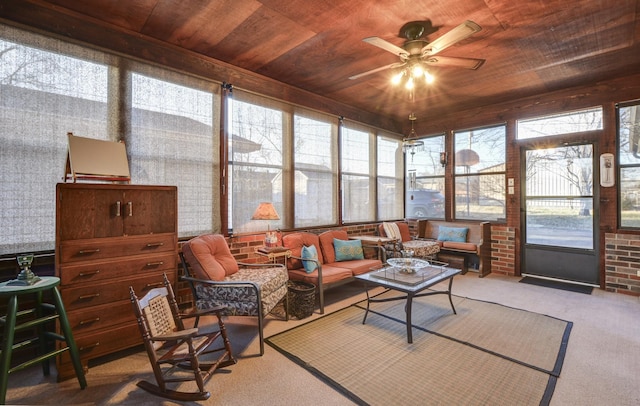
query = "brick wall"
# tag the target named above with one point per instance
(243, 247)
(622, 263)
(503, 249)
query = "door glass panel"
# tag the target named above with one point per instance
(559, 196)
(560, 222)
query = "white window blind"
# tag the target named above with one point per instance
(174, 141)
(47, 88)
(358, 174)
(316, 174)
(390, 178)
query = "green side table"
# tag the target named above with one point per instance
(53, 312)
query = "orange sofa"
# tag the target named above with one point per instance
(330, 269)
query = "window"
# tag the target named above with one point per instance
(49, 88)
(256, 160)
(170, 124)
(425, 180)
(43, 95)
(629, 155)
(358, 195)
(565, 123)
(480, 173)
(172, 143)
(390, 178)
(316, 173)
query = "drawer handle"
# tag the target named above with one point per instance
(85, 297)
(89, 346)
(90, 321)
(153, 285)
(97, 271)
(83, 252)
(155, 244)
(159, 263)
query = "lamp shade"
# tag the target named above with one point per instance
(265, 211)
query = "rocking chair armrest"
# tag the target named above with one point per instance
(176, 335)
(201, 312)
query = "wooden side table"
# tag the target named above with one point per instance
(274, 254)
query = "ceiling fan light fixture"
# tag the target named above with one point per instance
(409, 85)
(410, 144)
(417, 52)
(428, 77)
(397, 78)
(417, 71)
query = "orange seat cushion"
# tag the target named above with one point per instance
(210, 257)
(358, 266)
(330, 274)
(466, 246)
(404, 231)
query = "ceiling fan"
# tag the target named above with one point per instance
(417, 52)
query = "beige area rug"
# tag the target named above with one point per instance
(487, 354)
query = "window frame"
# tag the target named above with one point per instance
(622, 165)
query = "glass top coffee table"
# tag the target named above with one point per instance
(410, 276)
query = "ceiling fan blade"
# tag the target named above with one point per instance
(467, 63)
(387, 46)
(457, 34)
(393, 65)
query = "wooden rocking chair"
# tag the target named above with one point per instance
(174, 351)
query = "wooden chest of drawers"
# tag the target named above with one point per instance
(108, 238)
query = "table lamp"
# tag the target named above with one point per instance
(266, 211)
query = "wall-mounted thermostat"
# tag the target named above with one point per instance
(607, 171)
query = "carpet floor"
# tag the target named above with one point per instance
(486, 354)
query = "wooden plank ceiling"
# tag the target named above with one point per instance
(530, 47)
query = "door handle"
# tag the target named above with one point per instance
(129, 209)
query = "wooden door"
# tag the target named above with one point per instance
(149, 210)
(86, 212)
